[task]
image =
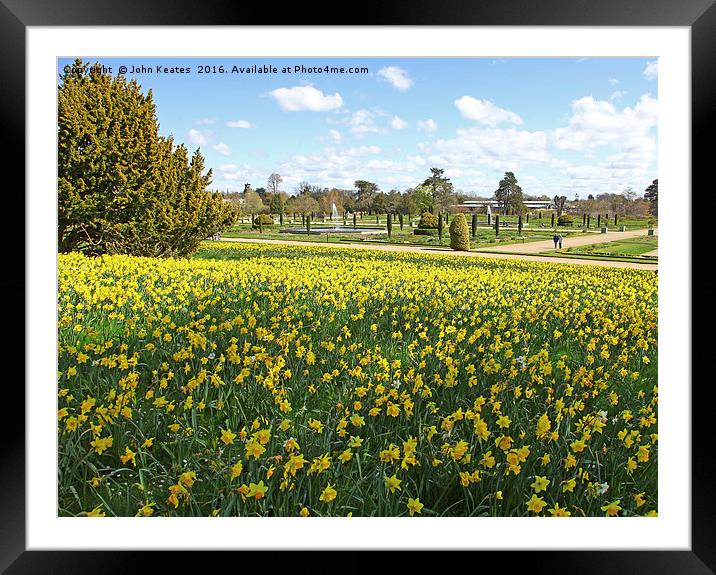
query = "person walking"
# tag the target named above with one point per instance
(560, 241)
(555, 239)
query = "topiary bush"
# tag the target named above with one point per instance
(428, 221)
(565, 220)
(266, 220)
(459, 234)
(425, 232)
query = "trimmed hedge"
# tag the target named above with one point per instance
(565, 220)
(428, 221)
(425, 232)
(266, 220)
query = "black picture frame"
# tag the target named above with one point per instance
(17, 15)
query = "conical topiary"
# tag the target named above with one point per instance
(459, 234)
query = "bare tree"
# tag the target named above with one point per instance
(559, 202)
(274, 181)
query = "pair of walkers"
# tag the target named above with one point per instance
(557, 239)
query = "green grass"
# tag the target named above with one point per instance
(564, 255)
(629, 247)
(485, 234)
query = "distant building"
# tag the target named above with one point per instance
(473, 205)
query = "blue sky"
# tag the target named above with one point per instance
(562, 125)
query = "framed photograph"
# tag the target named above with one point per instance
(391, 284)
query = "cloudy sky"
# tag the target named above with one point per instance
(564, 126)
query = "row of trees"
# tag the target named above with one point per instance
(435, 195)
(628, 203)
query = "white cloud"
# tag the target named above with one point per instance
(336, 136)
(205, 121)
(398, 123)
(626, 134)
(495, 148)
(613, 81)
(223, 149)
(397, 77)
(363, 151)
(429, 125)
(329, 167)
(651, 72)
(244, 124)
(340, 168)
(243, 173)
(596, 123)
(485, 112)
(617, 94)
(363, 122)
(611, 176)
(198, 138)
(309, 98)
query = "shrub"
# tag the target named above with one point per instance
(266, 220)
(565, 220)
(425, 232)
(428, 221)
(459, 234)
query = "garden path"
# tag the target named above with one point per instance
(548, 245)
(446, 250)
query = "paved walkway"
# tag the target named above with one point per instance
(548, 245)
(433, 250)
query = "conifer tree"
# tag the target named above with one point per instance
(509, 194)
(123, 188)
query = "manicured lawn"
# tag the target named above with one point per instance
(628, 247)
(485, 235)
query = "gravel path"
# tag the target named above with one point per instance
(548, 245)
(483, 253)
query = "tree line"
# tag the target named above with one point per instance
(436, 194)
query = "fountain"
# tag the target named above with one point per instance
(336, 228)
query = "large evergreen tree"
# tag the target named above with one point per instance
(651, 194)
(123, 188)
(441, 189)
(509, 194)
